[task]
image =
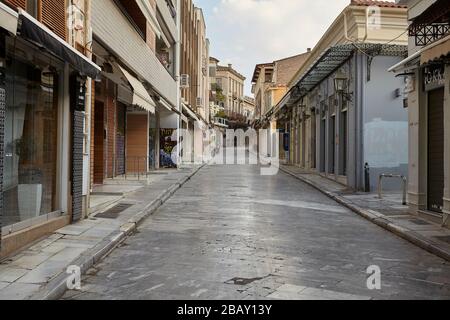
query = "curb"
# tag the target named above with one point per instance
(379, 219)
(56, 287)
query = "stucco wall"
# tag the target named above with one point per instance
(385, 123)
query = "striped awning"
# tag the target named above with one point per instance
(141, 97)
(437, 51)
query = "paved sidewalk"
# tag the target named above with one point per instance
(388, 213)
(39, 272)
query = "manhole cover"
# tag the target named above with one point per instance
(445, 239)
(114, 212)
(419, 222)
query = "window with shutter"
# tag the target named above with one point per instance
(17, 3)
(53, 15)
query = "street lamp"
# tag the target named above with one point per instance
(340, 85)
(340, 81)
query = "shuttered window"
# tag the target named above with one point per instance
(17, 3)
(53, 15)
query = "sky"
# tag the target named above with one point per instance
(248, 32)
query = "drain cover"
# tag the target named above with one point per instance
(114, 212)
(444, 239)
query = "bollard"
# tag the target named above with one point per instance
(367, 177)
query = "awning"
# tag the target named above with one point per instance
(190, 112)
(8, 18)
(436, 51)
(426, 54)
(167, 106)
(329, 61)
(32, 30)
(141, 97)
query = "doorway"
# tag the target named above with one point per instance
(435, 179)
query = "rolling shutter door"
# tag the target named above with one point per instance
(436, 150)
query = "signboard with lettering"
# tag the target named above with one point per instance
(433, 77)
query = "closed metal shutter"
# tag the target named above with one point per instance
(436, 150)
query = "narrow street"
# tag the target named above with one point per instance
(231, 233)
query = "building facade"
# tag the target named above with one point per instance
(44, 70)
(249, 109)
(344, 115)
(195, 77)
(427, 90)
(231, 84)
(270, 83)
(136, 98)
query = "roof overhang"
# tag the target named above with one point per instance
(8, 18)
(257, 71)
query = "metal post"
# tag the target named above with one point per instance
(367, 177)
(404, 181)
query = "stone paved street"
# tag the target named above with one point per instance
(231, 233)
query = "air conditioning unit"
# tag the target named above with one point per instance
(184, 81)
(199, 102)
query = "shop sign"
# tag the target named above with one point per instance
(434, 77)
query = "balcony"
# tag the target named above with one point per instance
(113, 29)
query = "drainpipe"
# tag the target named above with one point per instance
(177, 75)
(88, 42)
(347, 37)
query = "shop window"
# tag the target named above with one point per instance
(31, 124)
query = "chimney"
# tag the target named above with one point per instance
(230, 65)
(308, 50)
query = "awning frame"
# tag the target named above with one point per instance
(190, 112)
(331, 60)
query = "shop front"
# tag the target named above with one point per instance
(42, 132)
(427, 89)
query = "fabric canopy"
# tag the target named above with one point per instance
(32, 30)
(436, 51)
(141, 96)
(190, 113)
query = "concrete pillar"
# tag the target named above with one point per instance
(446, 209)
(417, 113)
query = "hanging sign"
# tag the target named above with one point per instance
(434, 77)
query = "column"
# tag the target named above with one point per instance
(417, 114)
(446, 209)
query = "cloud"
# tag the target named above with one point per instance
(248, 32)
